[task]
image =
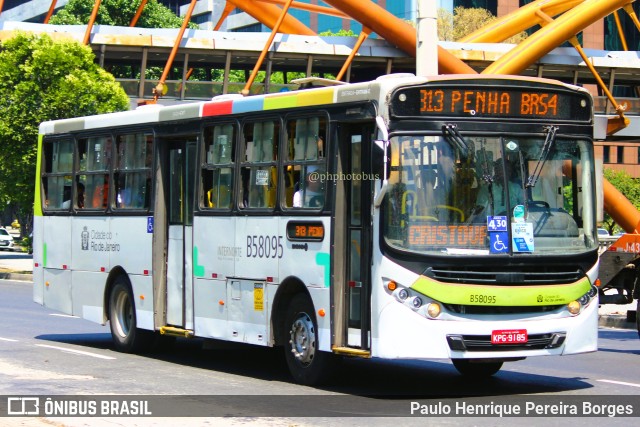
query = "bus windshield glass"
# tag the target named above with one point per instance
(483, 195)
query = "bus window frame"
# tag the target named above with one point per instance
(202, 165)
(241, 163)
(54, 139)
(322, 163)
(109, 172)
(112, 205)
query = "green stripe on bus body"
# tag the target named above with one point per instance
(506, 295)
(44, 254)
(198, 270)
(37, 201)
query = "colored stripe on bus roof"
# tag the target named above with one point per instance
(302, 98)
(179, 112)
(280, 101)
(68, 125)
(316, 97)
(253, 103)
(217, 108)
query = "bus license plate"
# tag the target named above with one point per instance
(509, 336)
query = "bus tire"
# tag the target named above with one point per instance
(126, 336)
(476, 368)
(307, 364)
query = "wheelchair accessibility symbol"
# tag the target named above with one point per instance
(499, 243)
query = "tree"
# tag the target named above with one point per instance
(119, 12)
(42, 79)
(463, 21)
(625, 184)
(445, 25)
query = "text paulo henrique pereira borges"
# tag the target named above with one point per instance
(526, 408)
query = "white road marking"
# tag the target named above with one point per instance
(620, 382)
(20, 372)
(83, 353)
(8, 339)
(63, 315)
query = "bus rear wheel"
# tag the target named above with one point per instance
(122, 320)
(307, 364)
(476, 368)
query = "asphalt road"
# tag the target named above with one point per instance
(44, 353)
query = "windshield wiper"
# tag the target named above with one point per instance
(546, 148)
(486, 172)
(451, 134)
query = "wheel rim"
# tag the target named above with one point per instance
(124, 314)
(303, 339)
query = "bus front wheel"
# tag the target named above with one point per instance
(307, 364)
(122, 320)
(476, 368)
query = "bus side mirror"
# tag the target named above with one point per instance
(378, 160)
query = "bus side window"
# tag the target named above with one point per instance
(132, 176)
(218, 168)
(307, 151)
(57, 179)
(100, 194)
(259, 172)
(94, 163)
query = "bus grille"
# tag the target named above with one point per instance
(491, 309)
(539, 275)
(483, 342)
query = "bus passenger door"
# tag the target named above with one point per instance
(181, 160)
(355, 285)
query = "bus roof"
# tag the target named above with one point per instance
(230, 104)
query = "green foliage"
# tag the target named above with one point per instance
(119, 12)
(464, 21)
(340, 33)
(26, 243)
(42, 79)
(628, 186)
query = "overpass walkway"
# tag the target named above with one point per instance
(141, 53)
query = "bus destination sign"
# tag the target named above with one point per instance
(490, 102)
(310, 231)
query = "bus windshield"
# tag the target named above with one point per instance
(482, 195)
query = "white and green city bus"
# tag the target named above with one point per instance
(405, 218)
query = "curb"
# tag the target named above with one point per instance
(618, 321)
(23, 277)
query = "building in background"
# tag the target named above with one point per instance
(601, 35)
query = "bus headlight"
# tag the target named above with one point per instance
(574, 307)
(403, 294)
(433, 310)
(417, 302)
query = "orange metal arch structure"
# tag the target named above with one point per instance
(519, 20)
(268, 14)
(554, 34)
(370, 15)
